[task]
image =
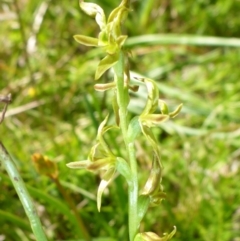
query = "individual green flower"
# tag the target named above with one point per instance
(110, 37)
(100, 158)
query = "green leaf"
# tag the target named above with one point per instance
(103, 38)
(96, 11)
(85, 40)
(143, 204)
(107, 178)
(134, 129)
(123, 168)
(106, 64)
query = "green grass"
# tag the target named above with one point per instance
(56, 111)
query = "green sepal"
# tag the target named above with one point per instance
(154, 179)
(153, 119)
(121, 40)
(106, 179)
(156, 198)
(78, 164)
(94, 10)
(134, 129)
(152, 140)
(101, 164)
(123, 168)
(153, 96)
(164, 108)
(176, 111)
(104, 87)
(85, 40)
(103, 38)
(118, 13)
(105, 64)
(143, 204)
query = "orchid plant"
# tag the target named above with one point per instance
(101, 157)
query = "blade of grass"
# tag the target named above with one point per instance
(58, 205)
(23, 194)
(15, 220)
(168, 39)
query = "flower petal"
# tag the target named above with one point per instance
(94, 10)
(78, 164)
(107, 178)
(154, 179)
(85, 40)
(176, 111)
(104, 87)
(105, 64)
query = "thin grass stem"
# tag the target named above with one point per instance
(23, 194)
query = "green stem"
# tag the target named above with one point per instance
(23, 194)
(133, 194)
(123, 99)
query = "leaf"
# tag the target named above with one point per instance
(85, 40)
(123, 168)
(107, 178)
(94, 10)
(134, 129)
(105, 64)
(143, 204)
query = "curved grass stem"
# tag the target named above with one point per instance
(23, 194)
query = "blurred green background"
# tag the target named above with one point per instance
(56, 112)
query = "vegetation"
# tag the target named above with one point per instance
(55, 114)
